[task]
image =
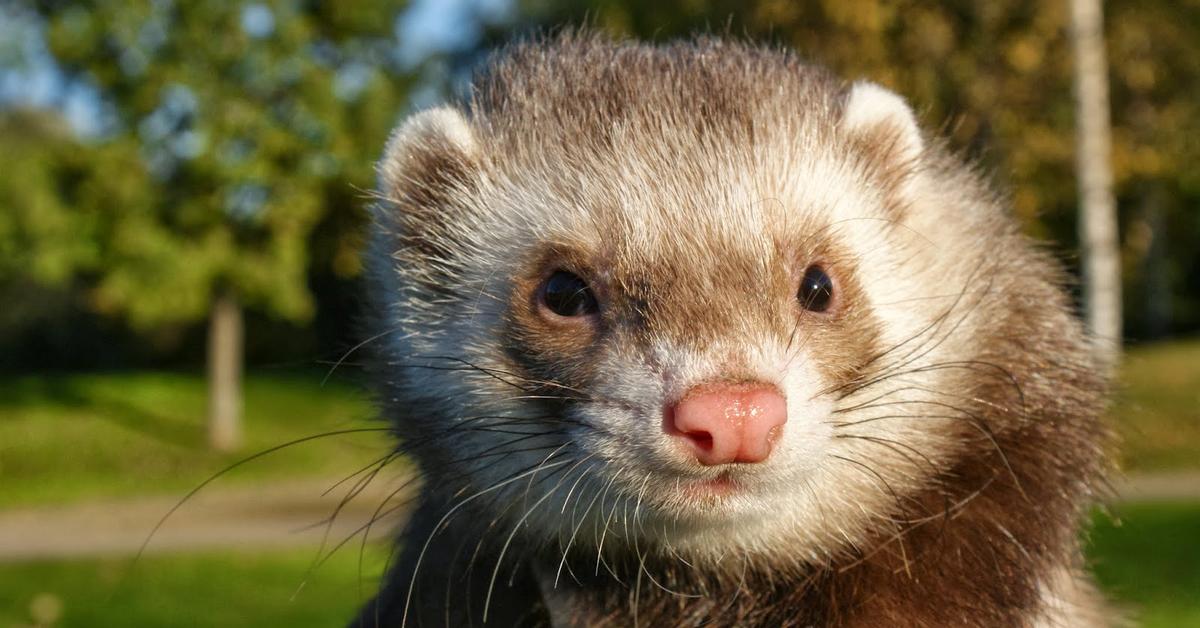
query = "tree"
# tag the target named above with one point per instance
(1155, 74)
(1097, 211)
(43, 237)
(251, 121)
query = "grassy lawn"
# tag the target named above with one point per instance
(1147, 563)
(1157, 410)
(223, 589)
(64, 437)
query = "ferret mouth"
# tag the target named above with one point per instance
(715, 488)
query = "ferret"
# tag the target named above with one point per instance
(699, 334)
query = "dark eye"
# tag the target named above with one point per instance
(566, 294)
(816, 290)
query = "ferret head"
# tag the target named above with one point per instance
(702, 298)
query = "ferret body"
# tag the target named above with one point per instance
(698, 334)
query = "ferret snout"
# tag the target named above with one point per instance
(727, 423)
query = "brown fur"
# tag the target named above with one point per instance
(973, 533)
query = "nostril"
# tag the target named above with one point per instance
(702, 440)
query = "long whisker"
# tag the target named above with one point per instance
(450, 513)
(355, 348)
(504, 549)
(214, 477)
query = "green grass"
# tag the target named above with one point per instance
(223, 589)
(1147, 564)
(1149, 561)
(66, 437)
(1157, 409)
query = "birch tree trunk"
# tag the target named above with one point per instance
(225, 374)
(1093, 149)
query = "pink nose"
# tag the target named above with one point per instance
(727, 423)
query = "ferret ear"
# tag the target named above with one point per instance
(883, 121)
(428, 155)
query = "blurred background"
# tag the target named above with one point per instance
(182, 194)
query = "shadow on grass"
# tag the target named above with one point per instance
(75, 393)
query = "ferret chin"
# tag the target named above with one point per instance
(699, 334)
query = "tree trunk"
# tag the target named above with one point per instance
(1093, 147)
(1155, 275)
(225, 374)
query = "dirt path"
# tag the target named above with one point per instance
(1160, 487)
(285, 515)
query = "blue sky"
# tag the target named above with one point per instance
(29, 76)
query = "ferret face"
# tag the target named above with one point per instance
(700, 351)
(692, 334)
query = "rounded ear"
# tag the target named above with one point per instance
(427, 154)
(882, 121)
(426, 175)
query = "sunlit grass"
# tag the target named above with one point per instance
(1157, 409)
(219, 589)
(66, 437)
(1148, 560)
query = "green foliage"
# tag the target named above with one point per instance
(36, 219)
(57, 206)
(240, 128)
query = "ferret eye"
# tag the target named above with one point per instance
(567, 295)
(816, 290)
